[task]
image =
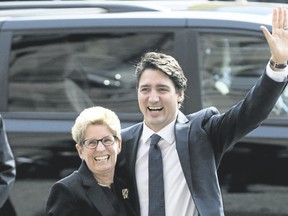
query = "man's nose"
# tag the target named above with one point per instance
(154, 97)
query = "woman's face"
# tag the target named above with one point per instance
(102, 159)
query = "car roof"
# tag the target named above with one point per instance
(135, 14)
(16, 8)
(24, 8)
(240, 6)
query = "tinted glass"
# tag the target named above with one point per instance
(68, 72)
(230, 65)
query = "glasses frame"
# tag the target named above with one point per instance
(100, 140)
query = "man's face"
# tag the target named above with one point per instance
(157, 99)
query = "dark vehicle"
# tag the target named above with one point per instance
(58, 58)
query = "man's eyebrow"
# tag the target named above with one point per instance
(144, 85)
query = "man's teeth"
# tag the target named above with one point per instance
(101, 158)
(155, 108)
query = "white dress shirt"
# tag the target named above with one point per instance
(178, 200)
(277, 75)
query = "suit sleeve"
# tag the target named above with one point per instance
(7, 166)
(226, 129)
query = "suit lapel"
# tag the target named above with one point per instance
(100, 201)
(182, 127)
(94, 192)
(131, 144)
(129, 149)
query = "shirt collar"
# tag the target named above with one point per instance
(167, 133)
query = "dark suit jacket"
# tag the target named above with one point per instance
(80, 195)
(201, 140)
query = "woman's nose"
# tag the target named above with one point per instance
(100, 146)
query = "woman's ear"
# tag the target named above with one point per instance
(119, 146)
(79, 150)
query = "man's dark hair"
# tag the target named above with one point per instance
(165, 63)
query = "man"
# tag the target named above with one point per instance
(7, 173)
(192, 146)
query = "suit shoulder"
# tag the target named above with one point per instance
(204, 113)
(131, 129)
(70, 179)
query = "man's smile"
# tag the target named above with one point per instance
(155, 108)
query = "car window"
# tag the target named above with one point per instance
(68, 72)
(230, 64)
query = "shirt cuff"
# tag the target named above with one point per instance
(278, 76)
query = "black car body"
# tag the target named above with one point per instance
(58, 58)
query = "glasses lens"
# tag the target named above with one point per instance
(92, 143)
(109, 140)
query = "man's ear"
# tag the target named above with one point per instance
(180, 96)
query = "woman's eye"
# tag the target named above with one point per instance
(93, 142)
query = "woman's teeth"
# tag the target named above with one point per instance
(102, 158)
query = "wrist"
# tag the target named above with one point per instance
(277, 66)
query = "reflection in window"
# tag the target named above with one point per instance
(230, 66)
(66, 73)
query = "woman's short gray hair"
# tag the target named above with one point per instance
(95, 116)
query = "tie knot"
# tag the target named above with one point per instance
(155, 139)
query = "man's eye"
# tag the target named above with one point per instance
(163, 89)
(144, 89)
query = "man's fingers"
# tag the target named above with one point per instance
(266, 33)
(285, 17)
(280, 19)
(275, 23)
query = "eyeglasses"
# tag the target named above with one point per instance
(93, 143)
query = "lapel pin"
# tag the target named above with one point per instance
(125, 193)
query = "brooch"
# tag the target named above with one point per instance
(125, 193)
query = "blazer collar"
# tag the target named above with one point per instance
(95, 193)
(131, 145)
(132, 135)
(182, 128)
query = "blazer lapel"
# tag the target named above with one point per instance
(100, 201)
(94, 192)
(131, 138)
(182, 127)
(131, 141)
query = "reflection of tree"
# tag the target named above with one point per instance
(231, 66)
(68, 72)
(280, 107)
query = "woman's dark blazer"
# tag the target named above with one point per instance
(80, 195)
(202, 138)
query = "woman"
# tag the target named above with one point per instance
(93, 190)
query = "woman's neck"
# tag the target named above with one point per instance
(104, 181)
